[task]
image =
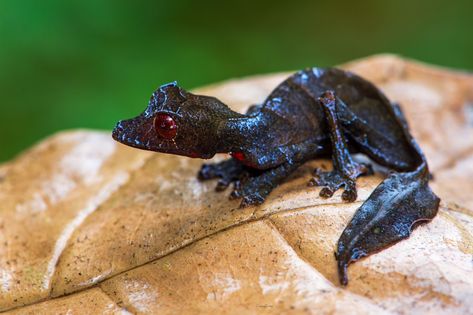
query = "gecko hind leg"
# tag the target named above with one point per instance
(345, 169)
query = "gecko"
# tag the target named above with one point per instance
(315, 113)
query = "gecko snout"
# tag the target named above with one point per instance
(118, 130)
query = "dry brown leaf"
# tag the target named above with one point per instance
(135, 231)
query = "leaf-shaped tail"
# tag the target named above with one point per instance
(394, 208)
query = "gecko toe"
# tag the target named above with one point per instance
(235, 194)
(365, 169)
(326, 192)
(222, 184)
(350, 193)
(251, 200)
(207, 171)
(313, 182)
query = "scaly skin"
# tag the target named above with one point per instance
(316, 112)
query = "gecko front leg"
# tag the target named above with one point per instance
(345, 169)
(230, 170)
(254, 190)
(251, 185)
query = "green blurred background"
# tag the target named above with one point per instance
(77, 63)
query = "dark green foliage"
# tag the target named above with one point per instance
(69, 64)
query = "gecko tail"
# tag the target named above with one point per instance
(392, 211)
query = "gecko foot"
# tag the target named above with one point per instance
(255, 188)
(245, 181)
(251, 185)
(334, 180)
(252, 190)
(227, 171)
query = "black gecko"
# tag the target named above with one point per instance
(314, 113)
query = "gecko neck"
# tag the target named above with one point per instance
(236, 134)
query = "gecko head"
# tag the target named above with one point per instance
(176, 122)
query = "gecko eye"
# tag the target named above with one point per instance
(165, 126)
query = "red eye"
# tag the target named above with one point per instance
(165, 126)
